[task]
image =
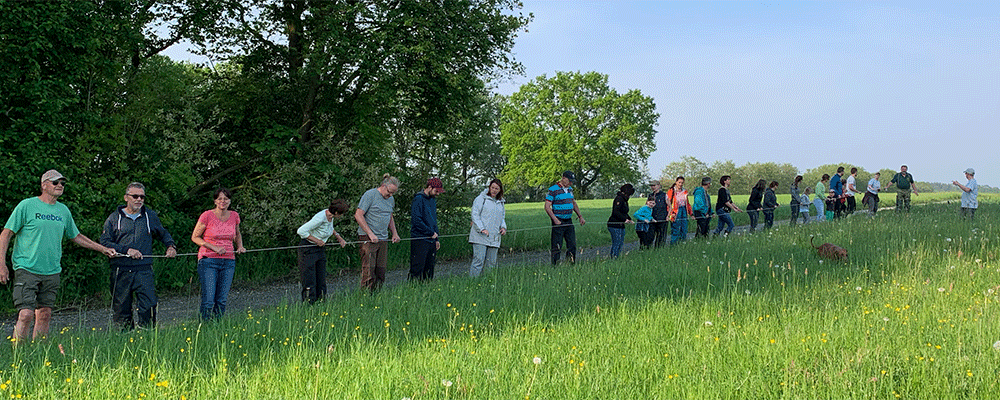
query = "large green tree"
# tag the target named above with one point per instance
(576, 121)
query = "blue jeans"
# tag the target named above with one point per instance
(820, 212)
(617, 240)
(216, 276)
(679, 228)
(724, 219)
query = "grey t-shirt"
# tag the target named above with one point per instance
(378, 211)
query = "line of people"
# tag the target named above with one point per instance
(39, 224)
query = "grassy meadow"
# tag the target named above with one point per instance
(913, 314)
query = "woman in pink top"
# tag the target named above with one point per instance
(216, 232)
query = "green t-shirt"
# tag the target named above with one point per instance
(38, 232)
(902, 181)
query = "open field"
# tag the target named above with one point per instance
(912, 315)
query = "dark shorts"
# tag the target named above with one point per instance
(33, 291)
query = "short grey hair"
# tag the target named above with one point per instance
(136, 185)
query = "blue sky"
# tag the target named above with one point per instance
(808, 83)
(875, 84)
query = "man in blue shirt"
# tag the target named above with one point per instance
(424, 242)
(560, 205)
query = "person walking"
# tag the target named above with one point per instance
(424, 242)
(312, 249)
(724, 206)
(770, 204)
(619, 217)
(850, 189)
(837, 185)
(38, 226)
(970, 194)
(643, 219)
(804, 205)
(680, 210)
(560, 206)
(660, 213)
(130, 230)
(796, 201)
(819, 200)
(754, 206)
(905, 185)
(871, 199)
(488, 225)
(702, 207)
(217, 233)
(375, 224)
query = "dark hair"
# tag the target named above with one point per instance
(723, 179)
(825, 177)
(651, 197)
(840, 169)
(338, 206)
(798, 178)
(853, 170)
(760, 184)
(221, 190)
(677, 179)
(500, 193)
(773, 184)
(627, 189)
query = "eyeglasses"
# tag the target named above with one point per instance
(137, 196)
(59, 183)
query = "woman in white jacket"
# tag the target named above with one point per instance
(488, 224)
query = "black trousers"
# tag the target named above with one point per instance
(660, 233)
(702, 219)
(128, 285)
(852, 205)
(423, 256)
(566, 232)
(312, 269)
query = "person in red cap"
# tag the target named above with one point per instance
(39, 224)
(424, 242)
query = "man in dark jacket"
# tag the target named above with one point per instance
(130, 230)
(424, 242)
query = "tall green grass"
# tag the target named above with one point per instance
(912, 315)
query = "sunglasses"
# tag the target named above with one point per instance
(137, 196)
(60, 182)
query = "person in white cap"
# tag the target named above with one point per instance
(38, 225)
(970, 194)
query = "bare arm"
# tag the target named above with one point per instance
(392, 229)
(552, 215)
(86, 243)
(576, 208)
(359, 216)
(4, 244)
(196, 237)
(239, 240)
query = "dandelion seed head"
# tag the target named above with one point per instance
(536, 360)
(708, 323)
(996, 345)
(445, 383)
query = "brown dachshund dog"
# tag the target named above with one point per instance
(831, 251)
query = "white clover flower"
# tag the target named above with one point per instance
(536, 360)
(947, 239)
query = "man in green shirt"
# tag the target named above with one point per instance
(38, 225)
(904, 186)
